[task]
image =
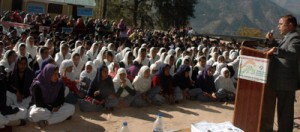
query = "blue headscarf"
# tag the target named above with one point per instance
(44, 63)
(96, 83)
(164, 80)
(43, 80)
(179, 78)
(206, 82)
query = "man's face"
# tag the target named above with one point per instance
(283, 26)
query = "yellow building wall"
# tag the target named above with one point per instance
(6, 5)
(67, 9)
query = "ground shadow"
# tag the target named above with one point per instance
(202, 106)
(141, 113)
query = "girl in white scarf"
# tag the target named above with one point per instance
(99, 61)
(66, 68)
(135, 52)
(188, 61)
(30, 47)
(111, 47)
(170, 61)
(153, 57)
(81, 51)
(2, 50)
(224, 82)
(8, 61)
(21, 52)
(142, 57)
(121, 54)
(63, 54)
(40, 57)
(128, 96)
(49, 43)
(161, 50)
(220, 65)
(124, 88)
(89, 71)
(213, 59)
(127, 60)
(161, 59)
(77, 65)
(153, 70)
(142, 82)
(93, 51)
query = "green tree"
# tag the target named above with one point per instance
(174, 13)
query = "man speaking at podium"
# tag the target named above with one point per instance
(284, 70)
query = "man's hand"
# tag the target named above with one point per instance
(271, 51)
(269, 36)
(96, 93)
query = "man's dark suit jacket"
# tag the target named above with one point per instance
(284, 68)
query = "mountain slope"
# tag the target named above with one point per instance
(227, 16)
(291, 5)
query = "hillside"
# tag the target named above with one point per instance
(226, 17)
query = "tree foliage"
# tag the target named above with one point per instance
(174, 13)
(161, 14)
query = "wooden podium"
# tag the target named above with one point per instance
(255, 102)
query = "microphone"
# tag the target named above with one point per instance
(267, 40)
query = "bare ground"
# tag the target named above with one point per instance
(176, 117)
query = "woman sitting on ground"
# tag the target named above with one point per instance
(48, 108)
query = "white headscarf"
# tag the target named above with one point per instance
(125, 59)
(47, 45)
(224, 83)
(77, 69)
(32, 50)
(135, 52)
(117, 82)
(233, 55)
(121, 54)
(39, 57)
(4, 62)
(90, 75)
(84, 57)
(91, 53)
(160, 51)
(167, 61)
(141, 83)
(26, 53)
(212, 60)
(152, 68)
(59, 57)
(144, 62)
(151, 58)
(62, 69)
(98, 62)
(161, 59)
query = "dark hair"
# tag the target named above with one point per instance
(202, 58)
(291, 19)
(43, 49)
(76, 54)
(10, 53)
(109, 53)
(21, 59)
(22, 45)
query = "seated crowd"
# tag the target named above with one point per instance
(106, 67)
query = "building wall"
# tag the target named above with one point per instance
(7, 4)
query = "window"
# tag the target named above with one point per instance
(55, 8)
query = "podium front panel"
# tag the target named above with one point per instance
(253, 101)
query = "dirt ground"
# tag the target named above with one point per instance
(176, 118)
